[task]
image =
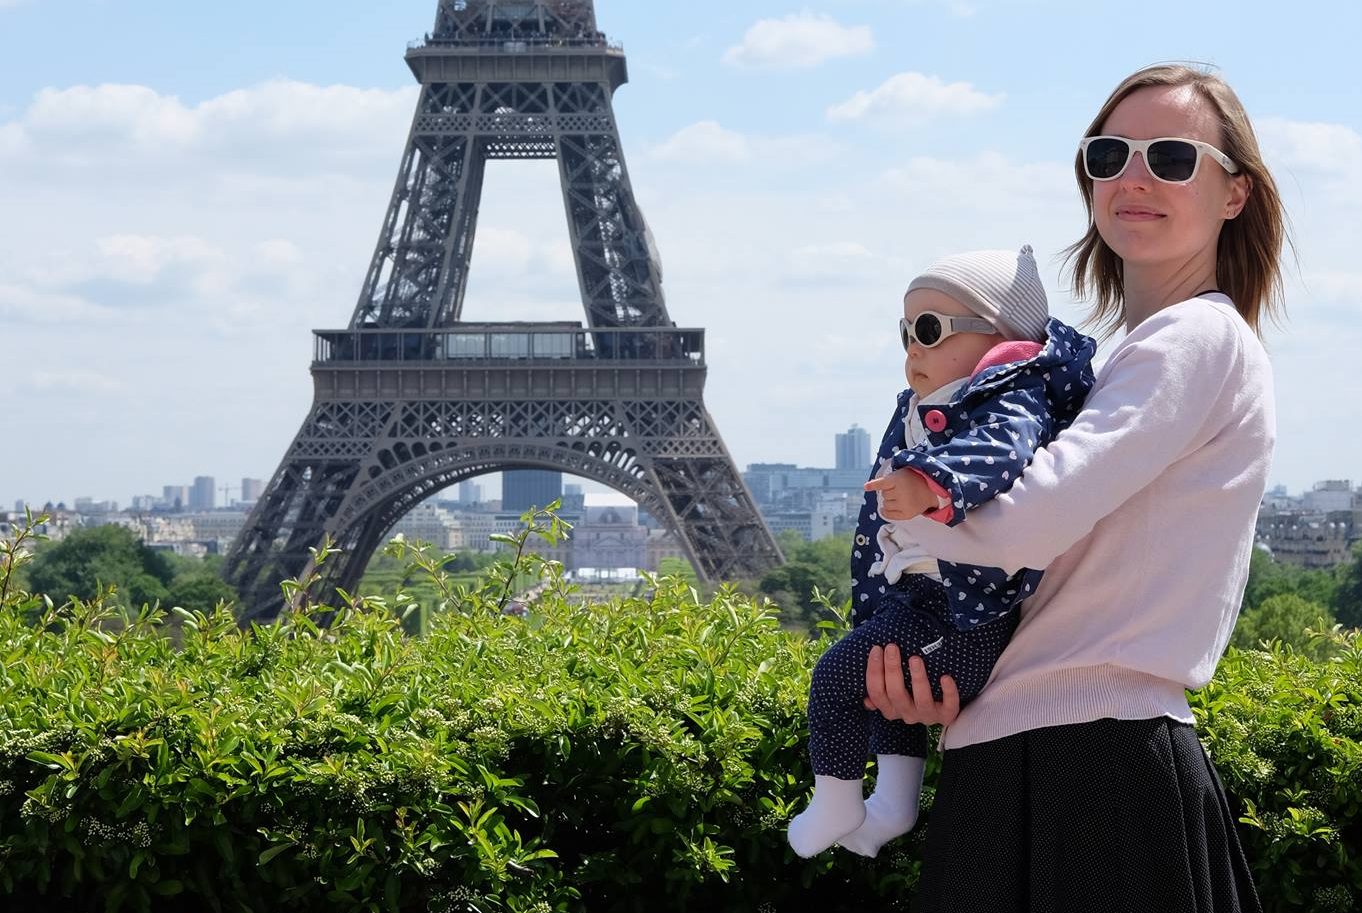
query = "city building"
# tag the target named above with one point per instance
(814, 502)
(853, 450)
(662, 545)
(204, 494)
(470, 493)
(1316, 530)
(175, 497)
(217, 528)
(58, 524)
(433, 524)
(609, 538)
(573, 498)
(251, 490)
(522, 489)
(479, 527)
(1330, 495)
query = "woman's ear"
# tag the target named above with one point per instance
(1241, 187)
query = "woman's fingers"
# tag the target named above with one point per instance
(928, 709)
(923, 703)
(950, 700)
(874, 682)
(887, 693)
(900, 700)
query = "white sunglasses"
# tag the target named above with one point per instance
(929, 328)
(1171, 159)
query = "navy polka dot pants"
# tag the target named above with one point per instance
(842, 733)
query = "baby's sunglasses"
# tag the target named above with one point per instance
(929, 328)
(1170, 159)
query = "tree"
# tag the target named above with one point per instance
(1283, 617)
(824, 564)
(677, 567)
(199, 591)
(106, 555)
(1348, 597)
(1268, 578)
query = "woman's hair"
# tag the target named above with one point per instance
(1248, 256)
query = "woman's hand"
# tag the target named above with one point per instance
(887, 694)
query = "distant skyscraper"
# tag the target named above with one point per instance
(204, 494)
(470, 493)
(522, 489)
(251, 490)
(176, 497)
(19, 506)
(853, 449)
(573, 497)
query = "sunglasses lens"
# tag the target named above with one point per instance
(927, 329)
(1106, 157)
(1172, 160)
(903, 333)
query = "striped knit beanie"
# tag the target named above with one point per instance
(998, 285)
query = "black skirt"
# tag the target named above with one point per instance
(1118, 816)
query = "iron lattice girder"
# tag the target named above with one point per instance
(666, 455)
(418, 274)
(475, 20)
(502, 79)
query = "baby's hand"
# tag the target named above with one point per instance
(904, 494)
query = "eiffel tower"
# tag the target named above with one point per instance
(409, 399)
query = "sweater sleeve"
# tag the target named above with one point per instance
(1158, 400)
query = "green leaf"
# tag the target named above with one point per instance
(274, 851)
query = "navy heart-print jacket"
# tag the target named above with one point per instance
(977, 445)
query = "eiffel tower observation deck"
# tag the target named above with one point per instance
(410, 399)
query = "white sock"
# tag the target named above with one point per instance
(891, 811)
(837, 809)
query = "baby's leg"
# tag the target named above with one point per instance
(900, 749)
(838, 739)
(968, 656)
(839, 726)
(892, 809)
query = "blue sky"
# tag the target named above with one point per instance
(187, 189)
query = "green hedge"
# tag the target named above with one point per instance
(640, 755)
(1285, 733)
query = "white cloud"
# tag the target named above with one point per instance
(141, 259)
(707, 142)
(833, 260)
(959, 8)
(913, 98)
(1338, 286)
(21, 305)
(1332, 149)
(799, 41)
(74, 381)
(135, 115)
(95, 126)
(504, 250)
(986, 181)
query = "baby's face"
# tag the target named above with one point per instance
(928, 370)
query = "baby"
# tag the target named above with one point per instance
(998, 378)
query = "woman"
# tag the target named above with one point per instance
(1075, 780)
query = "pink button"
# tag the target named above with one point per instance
(935, 420)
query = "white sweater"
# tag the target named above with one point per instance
(1142, 514)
